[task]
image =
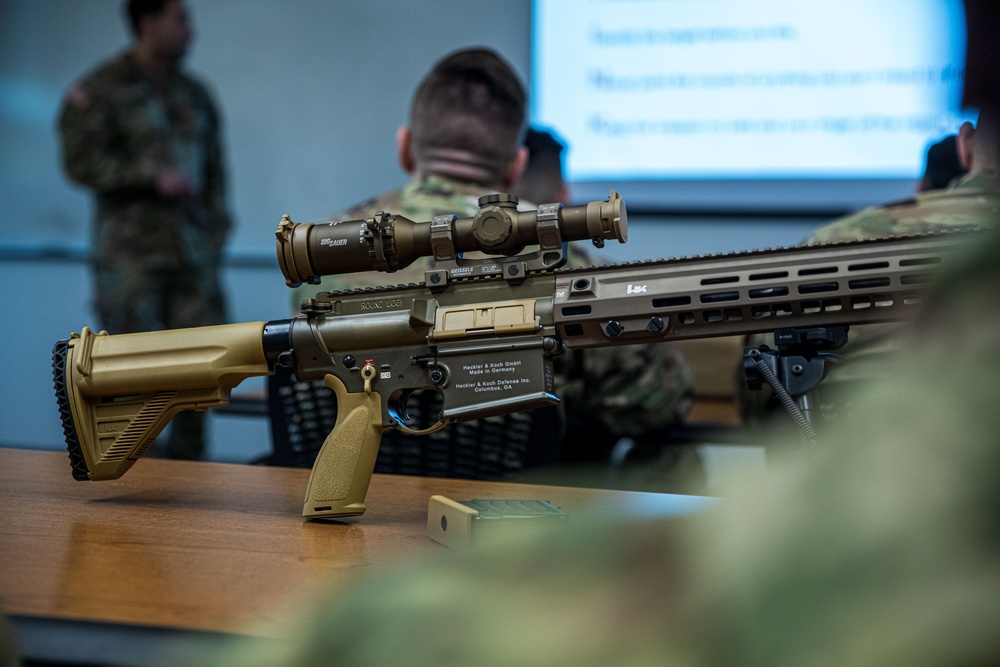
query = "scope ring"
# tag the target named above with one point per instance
(382, 248)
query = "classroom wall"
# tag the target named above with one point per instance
(311, 93)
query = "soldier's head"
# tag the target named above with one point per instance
(466, 121)
(542, 182)
(162, 27)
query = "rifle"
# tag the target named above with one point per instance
(481, 332)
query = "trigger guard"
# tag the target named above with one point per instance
(424, 431)
(398, 414)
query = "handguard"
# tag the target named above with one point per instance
(343, 468)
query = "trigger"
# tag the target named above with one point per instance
(404, 416)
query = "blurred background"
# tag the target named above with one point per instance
(311, 94)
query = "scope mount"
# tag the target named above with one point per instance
(493, 225)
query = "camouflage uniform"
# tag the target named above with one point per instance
(636, 391)
(155, 259)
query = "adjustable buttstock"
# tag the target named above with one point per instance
(116, 393)
(343, 469)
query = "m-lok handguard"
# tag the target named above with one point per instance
(482, 333)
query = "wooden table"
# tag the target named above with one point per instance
(174, 547)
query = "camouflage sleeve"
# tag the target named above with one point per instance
(631, 391)
(92, 153)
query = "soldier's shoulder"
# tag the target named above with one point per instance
(874, 222)
(109, 73)
(103, 84)
(422, 199)
(927, 212)
(975, 203)
(389, 202)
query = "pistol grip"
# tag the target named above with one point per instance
(340, 476)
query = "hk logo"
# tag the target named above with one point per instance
(636, 289)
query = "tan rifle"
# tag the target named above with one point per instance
(482, 332)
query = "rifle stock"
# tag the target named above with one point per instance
(484, 339)
(116, 393)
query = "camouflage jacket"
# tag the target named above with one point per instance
(629, 391)
(973, 201)
(120, 128)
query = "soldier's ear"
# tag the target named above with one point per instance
(964, 142)
(404, 149)
(516, 168)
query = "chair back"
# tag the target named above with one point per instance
(304, 413)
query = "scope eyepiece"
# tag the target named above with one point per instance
(388, 242)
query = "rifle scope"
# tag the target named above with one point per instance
(388, 242)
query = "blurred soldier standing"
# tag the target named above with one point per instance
(144, 136)
(463, 141)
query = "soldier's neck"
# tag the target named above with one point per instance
(461, 165)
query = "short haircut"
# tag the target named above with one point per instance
(135, 10)
(472, 105)
(542, 180)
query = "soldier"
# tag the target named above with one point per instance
(464, 141)
(144, 136)
(542, 181)
(942, 165)
(973, 200)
